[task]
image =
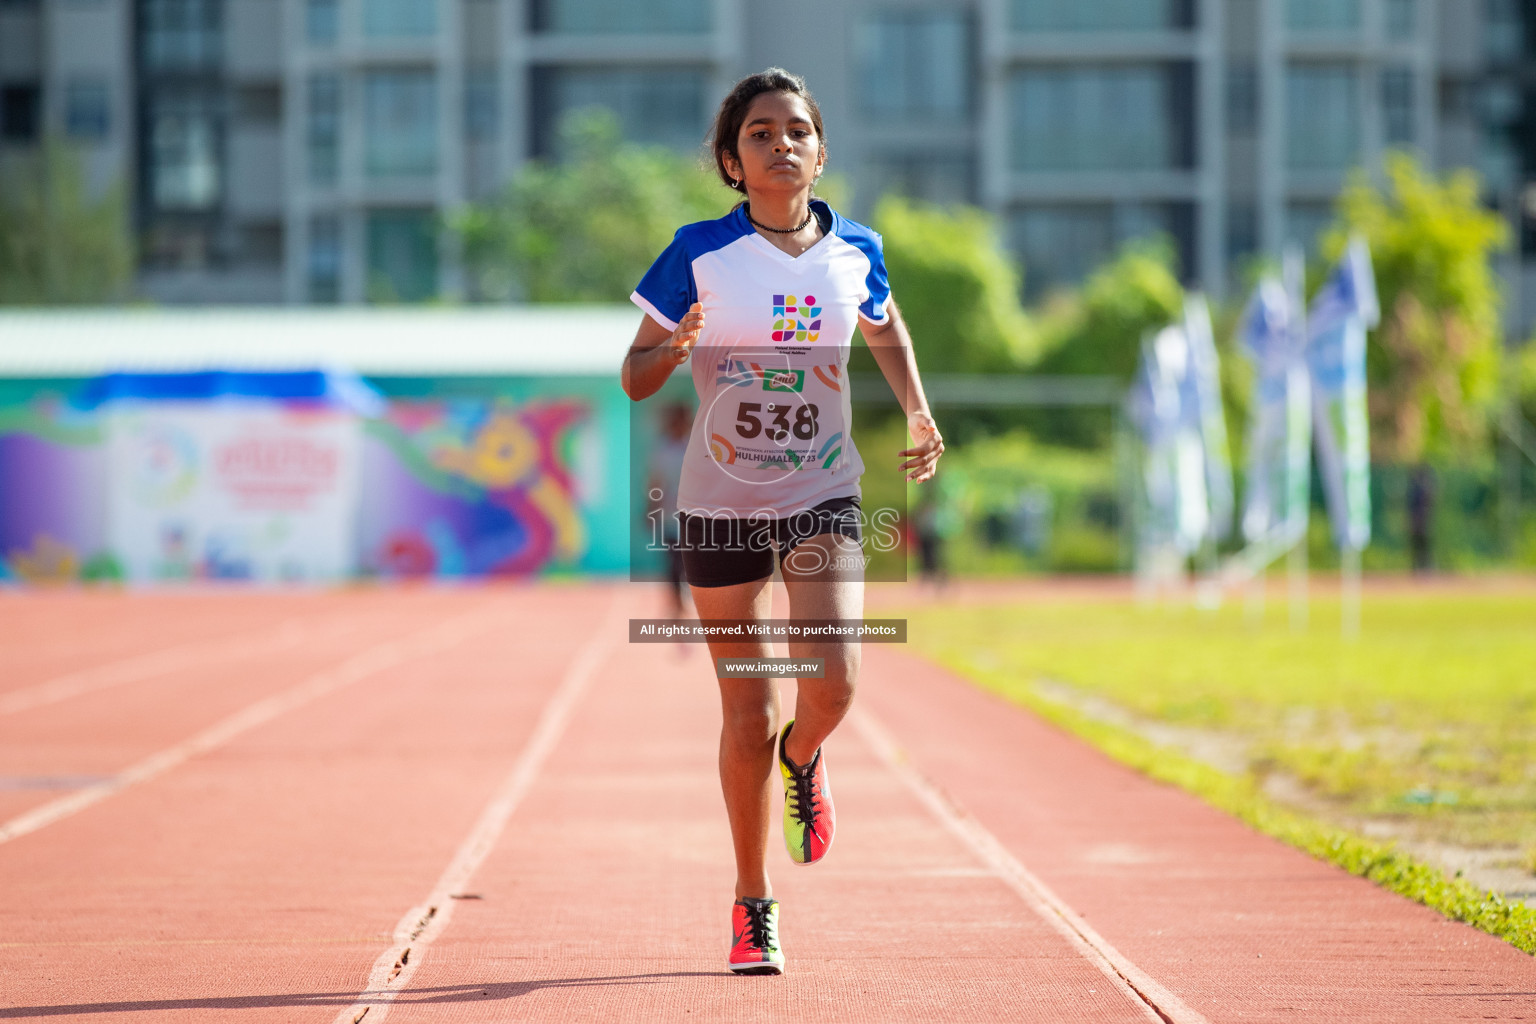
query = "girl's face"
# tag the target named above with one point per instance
(778, 148)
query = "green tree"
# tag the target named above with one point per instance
(586, 228)
(57, 243)
(1100, 330)
(957, 286)
(1433, 372)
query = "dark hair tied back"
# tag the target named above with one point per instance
(733, 111)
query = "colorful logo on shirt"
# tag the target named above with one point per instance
(783, 380)
(796, 319)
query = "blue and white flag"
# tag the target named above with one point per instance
(1280, 434)
(1174, 469)
(1203, 391)
(1342, 312)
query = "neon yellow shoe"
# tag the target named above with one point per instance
(809, 819)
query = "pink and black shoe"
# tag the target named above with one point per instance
(809, 819)
(755, 937)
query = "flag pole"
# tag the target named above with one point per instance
(1294, 270)
(1350, 581)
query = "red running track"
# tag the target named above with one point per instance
(249, 806)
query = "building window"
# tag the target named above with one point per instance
(1397, 106)
(1111, 118)
(622, 16)
(1503, 31)
(943, 178)
(87, 109)
(323, 129)
(20, 110)
(402, 255)
(1061, 244)
(322, 21)
(480, 104)
(183, 135)
(1402, 19)
(1322, 15)
(181, 35)
(399, 19)
(659, 107)
(1242, 231)
(323, 263)
(1101, 15)
(1305, 223)
(1322, 117)
(1242, 99)
(400, 123)
(916, 63)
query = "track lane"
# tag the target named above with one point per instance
(258, 882)
(609, 896)
(53, 749)
(1237, 925)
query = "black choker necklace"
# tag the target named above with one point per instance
(780, 231)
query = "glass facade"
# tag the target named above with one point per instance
(1242, 98)
(663, 107)
(1116, 117)
(400, 123)
(1402, 17)
(1305, 223)
(402, 255)
(480, 104)
(87, 109)
(1062, 243)
(184, 171)
(1322, 15)
(323, 129)
(1100, 15)
(180, 35)
(399, 19)
(591, 17)
(322, 21)
(1397, 106)
(933, 177)
(1322, 117)
(20, 112)
(323, 261)
(915, 63)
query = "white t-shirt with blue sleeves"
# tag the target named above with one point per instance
(773, 432)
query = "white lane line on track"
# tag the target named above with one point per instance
(423, 923)
(352, 670)
(1159, 1004)
(139, 667)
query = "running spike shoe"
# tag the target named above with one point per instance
(755, 937)
(809, 819)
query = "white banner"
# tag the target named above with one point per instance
(1203, 393)
(232, 489)
(1342, 312)
(1280, 434)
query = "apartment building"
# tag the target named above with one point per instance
(304, 150)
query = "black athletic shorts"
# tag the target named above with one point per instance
(725, 552)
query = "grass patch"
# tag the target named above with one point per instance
(1429, 719)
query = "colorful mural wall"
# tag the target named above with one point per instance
(458, 477)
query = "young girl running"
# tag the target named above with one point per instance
(769, 295)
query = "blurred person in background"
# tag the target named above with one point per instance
(771, 294)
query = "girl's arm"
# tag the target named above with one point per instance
(891, 345)
(656, 352)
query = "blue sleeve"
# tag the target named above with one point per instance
(876, 308)
(667, 289)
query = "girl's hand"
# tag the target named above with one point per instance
(930, 445)
(687, 333)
